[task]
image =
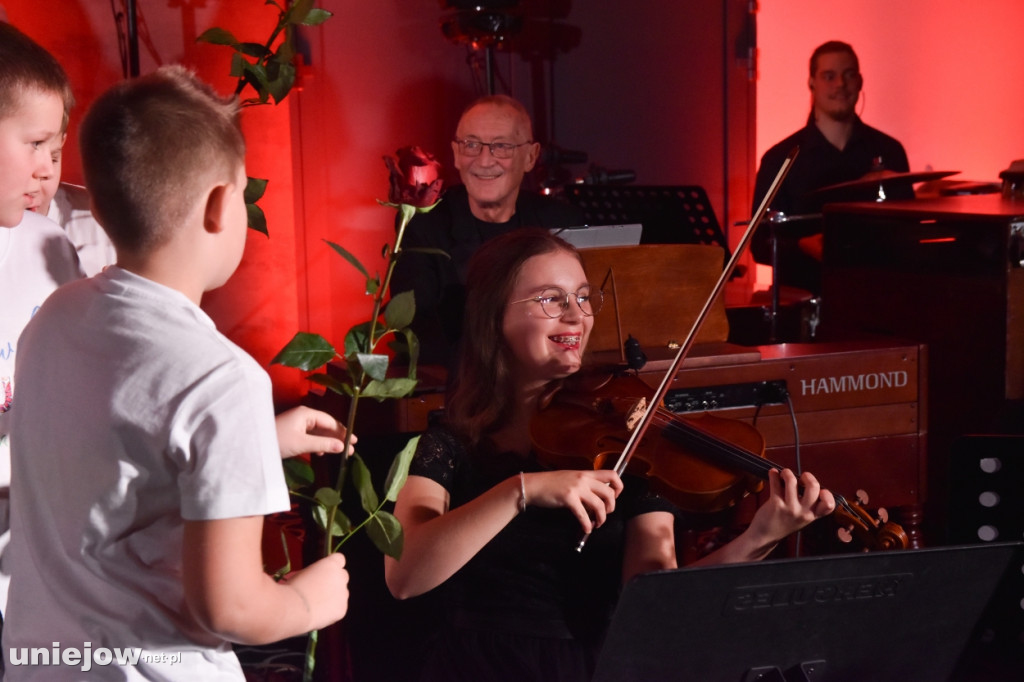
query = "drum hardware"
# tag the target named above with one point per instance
(776, 218)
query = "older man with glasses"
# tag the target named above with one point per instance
(493, 150)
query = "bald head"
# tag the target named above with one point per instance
(492, 181)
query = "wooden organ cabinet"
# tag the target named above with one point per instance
(854, 409)
(949, 273)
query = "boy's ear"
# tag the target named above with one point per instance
(213, 215)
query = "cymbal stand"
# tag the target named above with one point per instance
(774, 219)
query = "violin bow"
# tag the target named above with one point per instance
(659, 396)
(670, 374)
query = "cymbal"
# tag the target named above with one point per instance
(780, 217)
(886, 177)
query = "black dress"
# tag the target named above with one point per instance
(528, 606)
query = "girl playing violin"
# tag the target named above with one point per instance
(486, 521)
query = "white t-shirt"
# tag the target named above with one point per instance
(35, 258)
(134, 415)
(70, 209)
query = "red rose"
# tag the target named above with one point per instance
(415, 178)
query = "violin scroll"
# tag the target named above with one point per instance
(872, 533)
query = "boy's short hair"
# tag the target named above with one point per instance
(26, 65)
(149, 146)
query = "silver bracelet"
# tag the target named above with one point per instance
(522, 491)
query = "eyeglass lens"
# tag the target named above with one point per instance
(499, 150)
(554, 302)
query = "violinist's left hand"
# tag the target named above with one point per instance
(786, 510)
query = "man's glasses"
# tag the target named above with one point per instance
(554, 301)
(499, 150)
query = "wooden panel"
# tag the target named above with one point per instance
(889, 469)
(665, 285)
(830, 425)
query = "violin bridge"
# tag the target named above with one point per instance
(636, 413)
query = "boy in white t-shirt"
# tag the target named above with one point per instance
(35, 255)
(67, 205)
(145, 447)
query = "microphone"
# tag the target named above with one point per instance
(635, 356)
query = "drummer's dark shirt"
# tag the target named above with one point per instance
(819, 164)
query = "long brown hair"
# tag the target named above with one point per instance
(480, 399)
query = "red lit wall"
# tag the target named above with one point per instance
(944, 77)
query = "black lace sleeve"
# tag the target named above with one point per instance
(437, 456)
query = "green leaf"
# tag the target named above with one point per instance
(285, 54)
(254, 189)
(363, 482)
(349, 257)
(238, 65)
(405, 345)
(374, 364)
(341, 526)
(389, 388)
(329, 382)
(281, 84)
(297, 12)
(424, 249)
(306, 352)
(328, 497)
(316, 17)
(399, 471)
(256, 219)
(400, 310)
(217, 36)
(256, 76)
(298, 473)
(413, 344)
(386, 533)
(428, 209)
(357, 340)
(254, 50)
(286, 569)
(373, 284)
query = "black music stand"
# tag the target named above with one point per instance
(885, 616)
(669, 214)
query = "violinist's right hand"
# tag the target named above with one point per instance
(589, 495)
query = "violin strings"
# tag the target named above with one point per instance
(742, 458)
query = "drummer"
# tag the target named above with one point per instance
(835, 147)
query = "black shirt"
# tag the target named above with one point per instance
(819, 164)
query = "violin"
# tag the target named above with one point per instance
(702, 463)
(618, 419)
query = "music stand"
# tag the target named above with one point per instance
(669, 214)
(884, 616)
(595, 236)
